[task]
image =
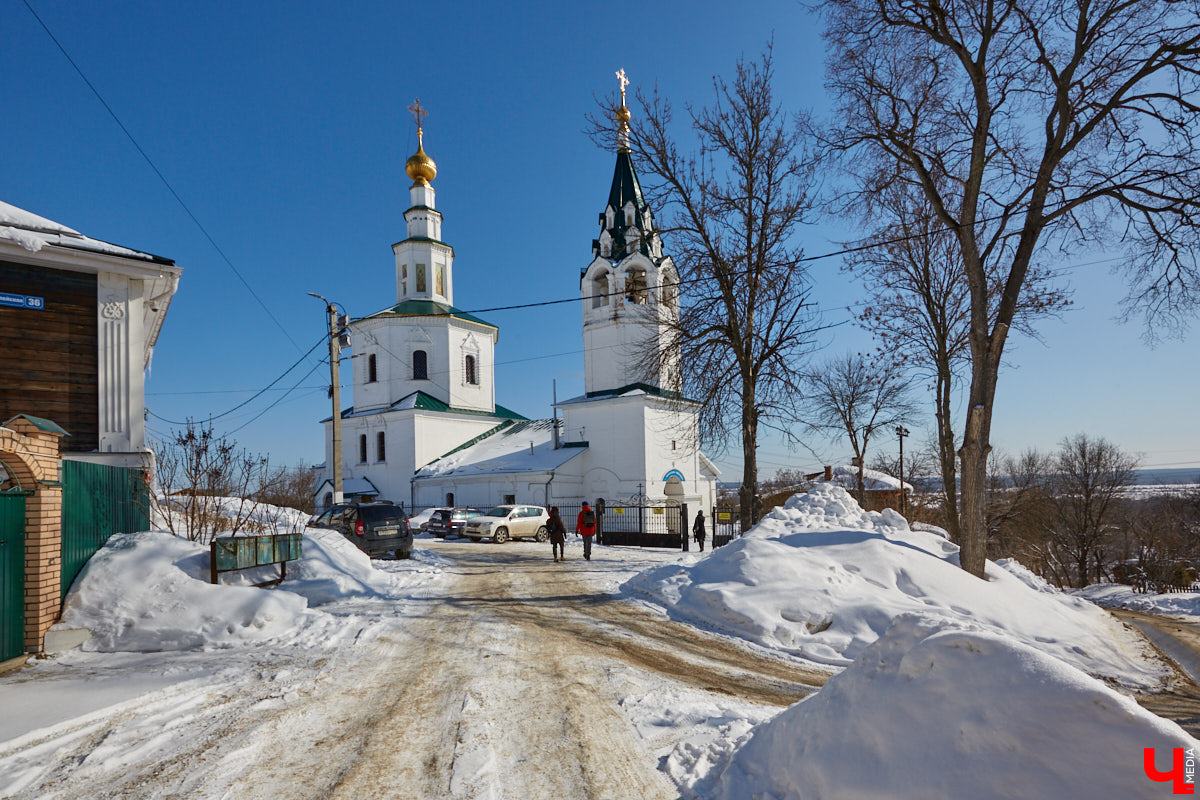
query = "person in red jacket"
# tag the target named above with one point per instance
(585, 526)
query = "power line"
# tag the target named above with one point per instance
(260, 392)
(158, 172)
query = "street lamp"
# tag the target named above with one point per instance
(335, 349)
(901, 431)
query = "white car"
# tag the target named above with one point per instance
(509, 522)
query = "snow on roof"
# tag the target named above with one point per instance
(33, 233)
(873, 480)
(506, 450)
(350, 486)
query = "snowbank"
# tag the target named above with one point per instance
(333, 569)
(928, 712)
(149, 591)
(1115, 595)
(822, 579)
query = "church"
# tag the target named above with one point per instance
(425, 428)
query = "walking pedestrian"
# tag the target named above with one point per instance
(585, 526)
(698, 529)
(558, 534)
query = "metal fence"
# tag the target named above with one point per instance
(98, 500)
(725, 525)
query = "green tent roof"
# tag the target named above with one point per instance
(429, 308)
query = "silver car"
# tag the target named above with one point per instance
(509, 522)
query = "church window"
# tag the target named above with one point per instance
(510, 499)
(421, 278)
(670, 288)
(600, 290)
(420, 366)
(380, 447)
(437, 281)
(362, 448)
(372, 375)
(450, 499)
(472, 376)
(635, 286)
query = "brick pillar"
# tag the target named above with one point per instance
(43, 563)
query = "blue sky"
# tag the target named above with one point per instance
(283, 126)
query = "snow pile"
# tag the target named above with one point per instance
(150, 591)
(929, 712)
(257, 518)
(822, 579)
(333, 569)
(1116, 595)
(873, 480)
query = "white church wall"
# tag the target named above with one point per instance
(478, 342)
(614, 429)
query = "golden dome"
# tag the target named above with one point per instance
(623, 114)
(419, 166)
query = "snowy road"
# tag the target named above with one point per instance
(514, 677)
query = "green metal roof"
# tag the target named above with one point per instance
(41, 423)
(425, 402)
(429, 308)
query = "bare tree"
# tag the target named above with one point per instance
(855, 397)
(1090, 473)
(731, 214)
(206, 484)
(918, 308)
(1027, 123)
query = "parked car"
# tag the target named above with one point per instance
(450, 521)
(375, 528)
(509, 522)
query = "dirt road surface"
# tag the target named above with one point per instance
(1180, 642)
(494, 687)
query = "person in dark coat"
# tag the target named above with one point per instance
(558, 535)
(585, 526)
(698, 529)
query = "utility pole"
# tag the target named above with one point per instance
(901, 431)
(335, 352)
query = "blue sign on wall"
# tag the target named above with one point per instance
(21, 301)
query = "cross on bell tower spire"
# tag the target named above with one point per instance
(622, 115)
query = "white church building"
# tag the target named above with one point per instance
(425, 428)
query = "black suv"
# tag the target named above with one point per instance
(375, 528)
(447, 521)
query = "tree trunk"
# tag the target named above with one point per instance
(943, 411)
(749, 491)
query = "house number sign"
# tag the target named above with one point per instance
(21, 301)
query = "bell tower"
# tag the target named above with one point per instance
(424, 263)
(630, 291)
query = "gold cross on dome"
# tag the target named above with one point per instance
(621, 79)
(418, 111)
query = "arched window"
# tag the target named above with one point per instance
(372, 375)
(420, 366)
(600, 290)
(472, 377)
(635, 285)
(362, 448)
(450, 499)
(380, 447)
(328, 499)
(670, 289)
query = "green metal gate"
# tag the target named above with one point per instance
(98, 500)
(12, 574)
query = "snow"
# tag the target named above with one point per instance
(973, 713)
(873, 480)
(821, 579)
(33, 233)
(943, 686)
(526, 446)
(1116, 595)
